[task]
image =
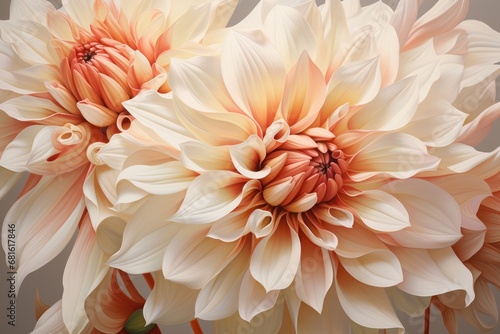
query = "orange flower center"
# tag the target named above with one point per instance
(302, 178)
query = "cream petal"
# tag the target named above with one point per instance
(275, 259)
(268, 322)
(29, 39)
(254, 75)
(40, 110)
(96, 114)
(483, 311)
(422, 62)
(300, 106)
(218, 299)
(143, 245)
(434, 214)
(28, 10)
(431, 272)
(211, 196)
(247, 157)
(318, 233)
(403, 19)
(253, 298)
(85, 269)
(334, 215)
(443, 17)
(164, 179)
(45, 220)
(80, 11)
(392, 109)
(192, 25)
(8, 179)
(28, 80)
(198, 83)
(414, 306)
(354, 83)
(51, 321)
(379, 210)
(436, 129)
(379, 155)
(290, 32)
(473, 133)
(368, 306)
(358, 241)
(177, 309)
(193, 259)
(333, 319)
(314, 276)
(335, 28)
(201, 157)
(206, 126)
(156, 111)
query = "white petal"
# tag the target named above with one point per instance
(51, 321)
(314, 276)
(30, 10)
(193, 259)
(165, 179)
(45, 220)
(198, 83)
(254, 75)
(379, 210)
(365, 305)
(85, 269)
(253, 298)
(143, 245)
(393, 107)
(275, 259)
(434, 215)
(290, 32)
(354, 83)
(176, 309)
(397, 154)
(433, 272)
(211, 196)
(219, 298)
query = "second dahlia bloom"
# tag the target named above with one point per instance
(293, 185)
(64, 75)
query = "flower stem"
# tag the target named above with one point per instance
(427, 320)
(195, 326)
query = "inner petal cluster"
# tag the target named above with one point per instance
(302, 177)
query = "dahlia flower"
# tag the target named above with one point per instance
(64, 75)
(306, 174)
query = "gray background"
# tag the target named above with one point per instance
(48, 279)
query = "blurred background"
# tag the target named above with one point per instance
(48, 279)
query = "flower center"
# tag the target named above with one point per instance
(85, 53)
(301, 178)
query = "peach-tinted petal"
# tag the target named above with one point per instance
(403, 19)
(85, 269)
(335, 28)
(248, 156)
(444, 16)
(45, 218)
(304, 94)
(200, 157)
(276, 258)
(8, 179)
(254, 75)
(178, 308)
(474, 132)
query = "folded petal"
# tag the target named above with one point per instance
(85, 269)
(253, 298)
(430, 272)
(169, 303)
(275, 259)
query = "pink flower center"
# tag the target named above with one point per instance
(302, 178)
